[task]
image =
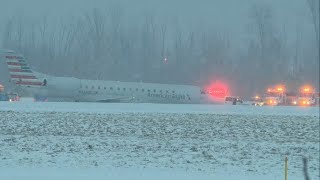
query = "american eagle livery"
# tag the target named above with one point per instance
(54, 88)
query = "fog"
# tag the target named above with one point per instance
(248, 44)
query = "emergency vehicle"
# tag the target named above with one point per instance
(291, 98)
(8, 96)
(318, 98)
(257, 101)
(233, 100)
(306, 97)
(275, 96)
(3, 95)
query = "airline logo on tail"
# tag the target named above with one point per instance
(20, 72)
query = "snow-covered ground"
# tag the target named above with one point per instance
(156, 108)
(154, 141)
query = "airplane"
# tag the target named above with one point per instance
(45, 87)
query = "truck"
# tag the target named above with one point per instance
(8, 96)
(307, 96)
(275, 96)
(3, 95)
(256, 101)
(318, 99)
(291, 98)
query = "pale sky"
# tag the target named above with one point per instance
(228, 15)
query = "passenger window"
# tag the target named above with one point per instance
(173, 91)
(160, 91)
(104, 88)
(154, 90)
(111, 88)
(167, 91)
(124, 89)
(92, 87)
(148, 90)
(137, 89)
(142, 90)
(118, 89)
(86, 87)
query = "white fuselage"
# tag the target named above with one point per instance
(73, 89)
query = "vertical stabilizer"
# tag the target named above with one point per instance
(20, 72)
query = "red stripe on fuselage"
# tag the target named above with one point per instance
(15, 70)
(20, 70)
(14, 57)
(23, 77)
(15, 64)
(29, 83)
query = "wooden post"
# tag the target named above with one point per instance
(286, 168)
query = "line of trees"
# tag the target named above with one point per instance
(101, 44)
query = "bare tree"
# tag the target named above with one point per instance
(261, 14)
(314, 9)
(96, 28)
(305, 168)
(163, 33)
(7, 34)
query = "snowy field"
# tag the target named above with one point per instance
(156, 108)
(155, 141)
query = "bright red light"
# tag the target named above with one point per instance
(218, 89)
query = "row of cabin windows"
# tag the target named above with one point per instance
(124, 89)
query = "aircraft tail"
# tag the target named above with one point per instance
(20, 72)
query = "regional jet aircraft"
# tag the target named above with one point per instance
(54, 88)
